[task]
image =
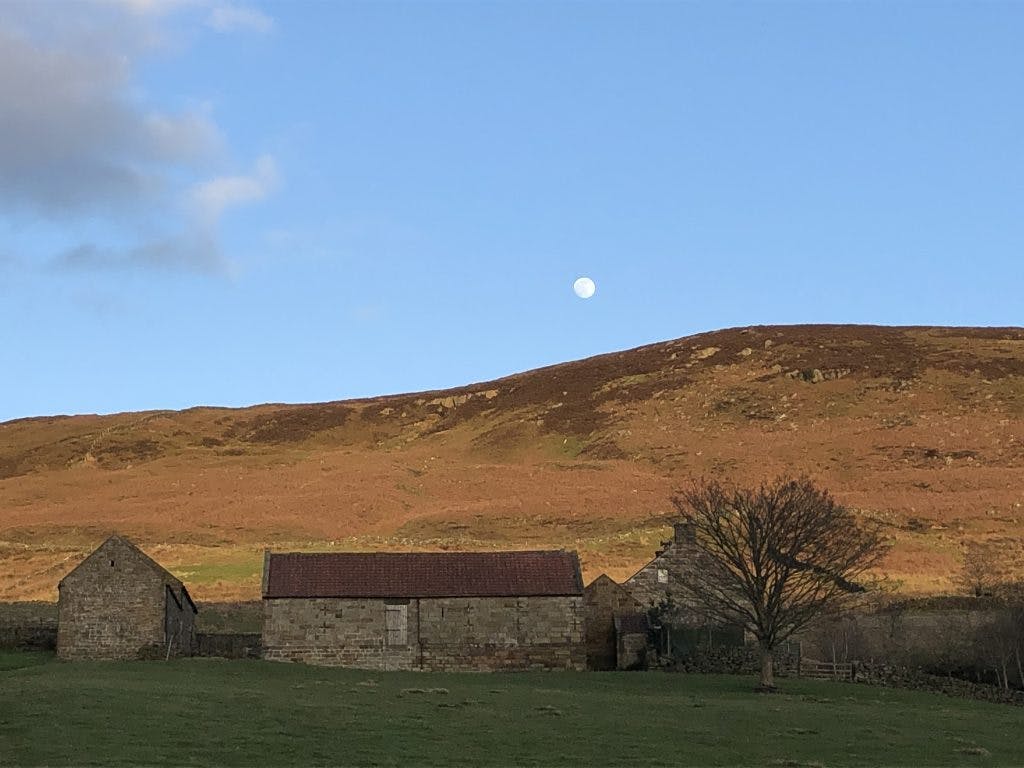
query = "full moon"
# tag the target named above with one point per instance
(584, 287)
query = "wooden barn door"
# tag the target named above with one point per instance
(396, 624)
(396, 633)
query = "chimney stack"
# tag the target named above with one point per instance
(684, 532)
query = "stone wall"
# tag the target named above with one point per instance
(900, 635)
(336, 632)
(631, 651)
(229, 645)
(892, 676)
(502, 633)
(602, 599)
(439, 633)
(28, 626)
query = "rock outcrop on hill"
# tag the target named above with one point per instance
(921, 428)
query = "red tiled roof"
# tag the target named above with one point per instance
(422, 574)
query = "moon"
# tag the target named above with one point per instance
(584, 287)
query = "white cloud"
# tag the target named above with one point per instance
(212, 197)
(229, 18)
(197, 247)
(150, 7)
(81, 149)
(74, 140)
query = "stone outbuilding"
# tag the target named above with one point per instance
(603, 599)
(425, 610)
(632, 640)
(119, 603)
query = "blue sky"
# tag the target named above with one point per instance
(226, 204)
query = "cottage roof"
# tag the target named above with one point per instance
(422, 574)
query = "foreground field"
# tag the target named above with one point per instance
(207, 712)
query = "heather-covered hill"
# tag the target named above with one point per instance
(922, 428)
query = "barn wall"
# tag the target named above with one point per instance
(603, 598)
(502, 633)
(334, 632)
(110, 611)
(179, 623)
(441, 633)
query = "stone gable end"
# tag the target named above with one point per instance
(119, 604)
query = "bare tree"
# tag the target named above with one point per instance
(772, 558)
(979, 576)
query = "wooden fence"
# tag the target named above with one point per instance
(825, 670)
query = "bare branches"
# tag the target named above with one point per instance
(772, 558)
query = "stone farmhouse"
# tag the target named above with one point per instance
(657, 582)
(425, 610)
(118, 603)
(618, 627)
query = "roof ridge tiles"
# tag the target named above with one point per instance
(511, 573)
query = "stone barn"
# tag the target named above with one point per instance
(425, 610)
(603, 599)
(119, 603)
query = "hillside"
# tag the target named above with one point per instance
(922, 428)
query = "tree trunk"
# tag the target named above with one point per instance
(1020, 670)
(767, 671)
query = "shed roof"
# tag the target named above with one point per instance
(422, 574)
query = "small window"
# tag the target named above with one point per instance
(663, 576)
(111, 563)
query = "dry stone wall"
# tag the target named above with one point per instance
(229, 645)
(28, 626)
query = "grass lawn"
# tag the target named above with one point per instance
(214, 712)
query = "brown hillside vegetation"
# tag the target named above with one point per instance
(920, 428)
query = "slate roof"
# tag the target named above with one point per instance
(422, 574)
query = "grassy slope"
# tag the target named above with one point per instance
(206, 712)
(921, 428)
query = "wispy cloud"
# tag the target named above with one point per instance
(195, 252)
(197, 248)
(78, 143)
(231, 18)
(151, 7)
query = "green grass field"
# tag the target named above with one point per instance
(212, 712)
